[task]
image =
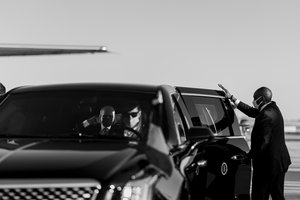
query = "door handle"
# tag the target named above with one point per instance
(200, 164)
(238, 157)
(195, 167)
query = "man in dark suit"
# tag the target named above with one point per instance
(133, 118)
(269, 154)
(103, 122)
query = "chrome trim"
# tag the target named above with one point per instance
(237, 137)
(202, 95)
(49, 189)
(48, 183)
(231, 137)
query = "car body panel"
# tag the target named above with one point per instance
(25, 156)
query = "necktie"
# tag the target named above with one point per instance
(105, 131)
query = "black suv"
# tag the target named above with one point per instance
(188, 144)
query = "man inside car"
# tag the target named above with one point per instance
(132, 118)
(103, 122)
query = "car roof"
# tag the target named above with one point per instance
(139, 88)
(202, 91)
(120, 87)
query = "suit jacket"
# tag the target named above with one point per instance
(115, 130)
(95, 128)
(268, 149)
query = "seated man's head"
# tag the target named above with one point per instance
(133, 118)
(107, 116)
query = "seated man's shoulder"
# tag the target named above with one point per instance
(93, 120)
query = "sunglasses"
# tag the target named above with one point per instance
(132, 114)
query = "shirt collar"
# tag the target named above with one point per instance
(103, 127)
(264, 106)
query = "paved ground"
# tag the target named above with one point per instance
(292, 183)
(292, 179)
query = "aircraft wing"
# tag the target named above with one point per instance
(29, 49)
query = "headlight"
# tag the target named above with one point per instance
(139, 189)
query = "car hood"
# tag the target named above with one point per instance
(36, 158)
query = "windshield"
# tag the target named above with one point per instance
(75, 113)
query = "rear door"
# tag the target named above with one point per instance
(228, 170)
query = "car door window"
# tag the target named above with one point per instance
(208, 112)
(208, 115)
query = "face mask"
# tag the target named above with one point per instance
(257, 102)
(132, 118)
(254, 104)
(107, 121)
(134, 122)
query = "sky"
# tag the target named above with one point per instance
(195, 43)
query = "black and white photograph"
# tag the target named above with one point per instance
(149, 100)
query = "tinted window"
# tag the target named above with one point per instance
(62, 113)
(208, 112)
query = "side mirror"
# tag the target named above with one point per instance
(245, 126)
(197, 133)
(244, 123)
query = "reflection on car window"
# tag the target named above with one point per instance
(208, 115)
(209, 112)
(61, 114)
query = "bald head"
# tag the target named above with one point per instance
(263, 92)
(107, 116)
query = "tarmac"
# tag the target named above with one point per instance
(292, 179)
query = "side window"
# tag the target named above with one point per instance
(208, 115)
(209, 112)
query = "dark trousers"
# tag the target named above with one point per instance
(264, 185)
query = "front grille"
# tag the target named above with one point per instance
(50, 189)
